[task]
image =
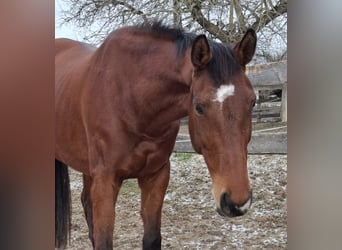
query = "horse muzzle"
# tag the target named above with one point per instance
(230, 209)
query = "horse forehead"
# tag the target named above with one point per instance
(223, 92)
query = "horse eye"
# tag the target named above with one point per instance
(199, 109)
(253, 103)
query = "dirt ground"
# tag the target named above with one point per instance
(189, 219)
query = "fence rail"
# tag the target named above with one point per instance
(261, 143)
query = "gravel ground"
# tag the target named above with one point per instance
(189, 219)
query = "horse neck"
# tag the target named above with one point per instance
(170, 97)
(155, 91)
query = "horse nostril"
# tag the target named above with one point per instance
(226, 204)
(229, 208)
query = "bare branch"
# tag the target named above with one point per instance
(270, 14)
(130, 8)
(195, 7)
(219, 19)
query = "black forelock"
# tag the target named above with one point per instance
(223, 64)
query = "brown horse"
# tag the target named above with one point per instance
(118, 109)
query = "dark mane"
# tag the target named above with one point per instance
(182, 39)
(223, 64)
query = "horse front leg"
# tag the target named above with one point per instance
(103, 195)
(153, 190)
(86, 203)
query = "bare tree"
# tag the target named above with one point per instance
(220, 19)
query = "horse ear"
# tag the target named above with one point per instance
(246, 47)
(200, 52)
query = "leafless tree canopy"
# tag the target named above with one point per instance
(222, 20)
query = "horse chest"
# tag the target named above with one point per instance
(149, 155)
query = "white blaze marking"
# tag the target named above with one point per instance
(223, 92)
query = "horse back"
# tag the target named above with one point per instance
(64, 44)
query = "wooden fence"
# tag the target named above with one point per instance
(261, 143)
(265, 78)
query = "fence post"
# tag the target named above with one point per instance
(283, 111)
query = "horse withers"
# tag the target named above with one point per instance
(118, 109)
